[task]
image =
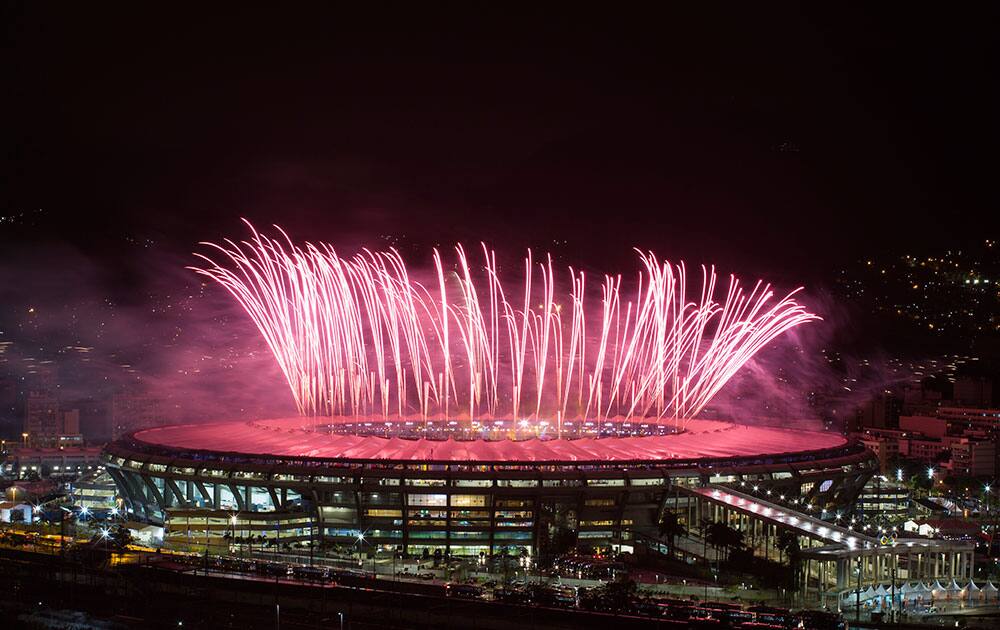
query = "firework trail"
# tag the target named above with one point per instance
(357, 336)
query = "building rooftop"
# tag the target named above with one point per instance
(292, 437)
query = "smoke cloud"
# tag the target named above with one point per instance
(82, 330)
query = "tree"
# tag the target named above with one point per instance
(722, 536)
(788, 545)
(703, 528)
(742, 560)
(671, 528)
(505, 566)
(122, 537)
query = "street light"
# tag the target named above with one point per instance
(232, 523)
(360, 543)
(930, 472)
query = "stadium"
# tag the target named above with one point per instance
(370, 484)
(455, 412)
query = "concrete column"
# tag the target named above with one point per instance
(805, 578)
(822, 581)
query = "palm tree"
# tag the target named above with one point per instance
(787, 541)
(788, 544)
(704, 527)
(671, 528)
(723, 536)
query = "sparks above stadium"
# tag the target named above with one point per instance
(360, 336)
(470, 413)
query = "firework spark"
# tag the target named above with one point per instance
(359, 336)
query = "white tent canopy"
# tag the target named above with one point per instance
(972, 591)
(938, 591)
(915, 591)
(990, 590)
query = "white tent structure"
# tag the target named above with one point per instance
(972, 593)
(919, 595)
(881, 597)
(938, 591)
(868, 595)
(990, 592)
(907, 592)
(954, 590)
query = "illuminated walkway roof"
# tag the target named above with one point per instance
(842, 542)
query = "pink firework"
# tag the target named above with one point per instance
(359, 336)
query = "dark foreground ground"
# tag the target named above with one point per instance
(50, 591)
(151, 596)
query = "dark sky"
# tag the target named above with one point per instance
(785, 142)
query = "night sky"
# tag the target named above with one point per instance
(782, 142)
(788, 145)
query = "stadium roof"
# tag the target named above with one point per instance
(292, 437)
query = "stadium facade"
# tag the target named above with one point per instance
(284, 482)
